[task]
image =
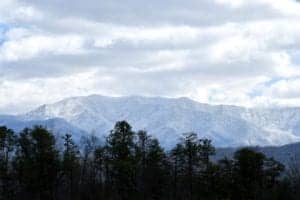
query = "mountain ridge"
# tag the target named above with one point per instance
(168, 118)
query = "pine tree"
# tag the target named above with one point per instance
(98, 173)
(177, 162)
(87, 172)
(225, 179)
(7, 148)
(186, 165)
(206, 149)
(141, 154)
(37, 164)
(249, 173)
(151, 167)
(134, 166)
(120, 146)
(192, 162)
(71, 166)
(207, 169)
(156, 174)
(193, 170)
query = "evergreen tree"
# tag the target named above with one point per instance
(70, 166)
(248, 173)
(206, 149)
(254, 174)
(177, 162)
(207, 170)
(151, 167)
(272, 170)
(224, 187)
(293, 176)
(37, 164)
(87, 172)
(141, 154)
(7, 148)
(192, 163)
(98, 173)
(120, 146)
(156, 174)
(134, 166)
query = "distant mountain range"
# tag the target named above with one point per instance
(167, 119)
(289, 154)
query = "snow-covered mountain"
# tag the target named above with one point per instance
(168, 118)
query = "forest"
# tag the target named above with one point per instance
(35, 164)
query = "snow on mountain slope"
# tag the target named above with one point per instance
(168, 118)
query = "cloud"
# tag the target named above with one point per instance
(246, 54)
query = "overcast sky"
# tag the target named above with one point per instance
(241, 52)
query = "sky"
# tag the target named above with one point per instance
(237, 52)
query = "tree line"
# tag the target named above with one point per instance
(132, 165)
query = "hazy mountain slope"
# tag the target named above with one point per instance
(58, 126)
(167, 119)
(287, 154)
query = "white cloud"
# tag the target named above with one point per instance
(284, 89)
(216, 51)
(37, 45)
(26, 94)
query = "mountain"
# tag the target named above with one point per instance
(58, 126)
(168, 118)
(286, 154)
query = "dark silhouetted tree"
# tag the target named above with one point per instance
(151, 167)
(133, 166)
(37, 164)
(121, 147)
(7, 148)
(254, 174)
(70, 167)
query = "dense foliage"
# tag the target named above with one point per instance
(36, 165)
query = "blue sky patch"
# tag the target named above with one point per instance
(295, 57)
(3, 29)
